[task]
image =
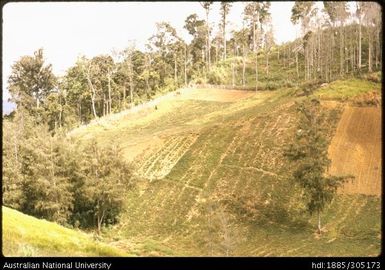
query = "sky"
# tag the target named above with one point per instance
(68, 30)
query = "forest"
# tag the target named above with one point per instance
(51, 175)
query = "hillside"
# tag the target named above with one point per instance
(213, 180)
(24, 235)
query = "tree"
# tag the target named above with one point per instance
(42, 175)
(301, 12)
(224, 10)
(241, 38)
(196, 28)
(125, 68)
(310, 157)
(256, 12)
(207, 5)
(371, 15)
(31, 81)
(337, 12)
(105, 177)
(98, 72)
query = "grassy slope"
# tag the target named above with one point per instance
(24, 235)
(237, 152)
(208, 152)
(220, 150)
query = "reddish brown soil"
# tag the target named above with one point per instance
(356, 150)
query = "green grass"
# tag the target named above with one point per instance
(347, 89)
(24, 235)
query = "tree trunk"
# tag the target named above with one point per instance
(255, 52)
(319, 222)
(296, 63)
(109, 95)
(359, 46)
(185, 66)
(256, 72)
(80, 111)
(175, 71)
(131, 89)
(208, 39)
(93, 95)
(224, 35)
(267, 64)
(104, 104)
(233, 72)
(100, 221)
(370, 55)
(244, 66)
(124, 95)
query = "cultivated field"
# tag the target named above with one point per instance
(356, 150)
(212, 179)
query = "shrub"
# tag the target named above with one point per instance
(217, 75)
(374, 77)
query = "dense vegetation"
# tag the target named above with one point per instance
(55, 178)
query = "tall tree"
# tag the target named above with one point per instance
(31, 81)
(338, 12)
(105, 176)
(256, 13)
(310, 157)
(207, 6)
(303, 12)
(242, 38)
(224, 10)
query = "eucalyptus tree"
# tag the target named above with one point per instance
(338, 12)
(256, 13)
(302, 12)
(371, 15)
(207, 6)
(196, 28)
(224, 11)
(78, 94)
(269, 42)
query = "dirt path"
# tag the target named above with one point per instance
(356, 149)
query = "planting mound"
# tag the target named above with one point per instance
(356, 150)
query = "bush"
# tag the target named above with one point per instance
(374, 77)
(169, 85)
(216, 75)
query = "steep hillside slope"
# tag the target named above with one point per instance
(213, 181)
(24, 235)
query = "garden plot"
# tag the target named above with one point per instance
(159, 163)
(356, 150)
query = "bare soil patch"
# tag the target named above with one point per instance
(356, 150)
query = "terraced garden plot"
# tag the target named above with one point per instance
(160, 163)
(356, 150)
(209, 151)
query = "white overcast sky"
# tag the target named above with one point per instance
(67, 30)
